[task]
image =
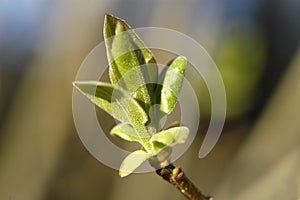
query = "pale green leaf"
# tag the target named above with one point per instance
(125, 131)
(171, 84)
(157, 146)
(132, 65)
(128, 132)
(171, 136)
(133, 161)
(114, 100)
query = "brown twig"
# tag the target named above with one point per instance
(176, 177)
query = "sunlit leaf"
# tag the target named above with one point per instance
(125, 131)
(171, 136)
(135, 98)
(129, 132)
(157, 146)
(114, 100)
(132, 65)
(172, 82)
(133, 161)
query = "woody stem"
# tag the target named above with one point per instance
(177, 177)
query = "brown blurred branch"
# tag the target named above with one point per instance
(176, 177)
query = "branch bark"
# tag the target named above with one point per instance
(177, 177)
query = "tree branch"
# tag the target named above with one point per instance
(176, 177)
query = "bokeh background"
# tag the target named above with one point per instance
(255, 45)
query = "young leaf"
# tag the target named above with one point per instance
(114, 100)
(126, 132)
(172, 81)
(133, 161)
(129, 132)
(132, 65)
(171, 136)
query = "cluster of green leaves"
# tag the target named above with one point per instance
(138, 97)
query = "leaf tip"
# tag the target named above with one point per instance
(182, 58)
(108, 14)
(75, 83)
(123, 174)
(111, 20)
(108, 17)
(79, 84)
(183, 61)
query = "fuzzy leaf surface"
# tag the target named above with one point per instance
(170, 137)
(133, 161)
(129, 132)
(114, 100)
(171, 83)
(132, 65)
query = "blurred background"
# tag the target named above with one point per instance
(254, 43)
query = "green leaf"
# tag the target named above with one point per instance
(138, 134)
(171, 136)
(132, 65)
(172, 82)
(114, 100)
(126, 132)
(129, 132)
(133, 161)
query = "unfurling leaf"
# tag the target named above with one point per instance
(171, 84)
(135, 97)
(133, 161)
(171, 136)
(114, 100)
(129, 132)
(126, 132)
(132, 65)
